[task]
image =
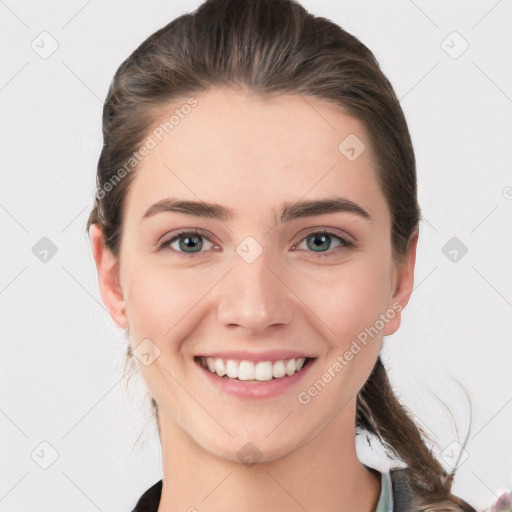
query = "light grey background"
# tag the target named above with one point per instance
(61, 354)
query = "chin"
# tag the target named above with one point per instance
(250, 451)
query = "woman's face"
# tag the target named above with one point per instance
(269, 273)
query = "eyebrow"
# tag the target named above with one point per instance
(289, 211)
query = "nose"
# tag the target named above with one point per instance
(255, 296)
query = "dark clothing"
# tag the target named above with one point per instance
(401, 492)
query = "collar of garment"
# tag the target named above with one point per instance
(150, 500)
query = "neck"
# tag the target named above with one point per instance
(323, 474)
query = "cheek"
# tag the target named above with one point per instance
(160, 305)
(366, 298)
(348, 300)
(157, 298)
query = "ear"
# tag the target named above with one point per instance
(107, 267)
(403, 283)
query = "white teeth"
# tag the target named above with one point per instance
(263, 370)
(218, 366)
(278, 370)
(248, 370)
(245, 370)
(290, 367)
(231, 369)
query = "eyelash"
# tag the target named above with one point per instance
(345, 244)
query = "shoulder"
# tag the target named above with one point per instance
(405, 499)
(150, 500)
(402, 491)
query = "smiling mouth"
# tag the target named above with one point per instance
(243, 370)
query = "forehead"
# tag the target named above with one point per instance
(247, 151)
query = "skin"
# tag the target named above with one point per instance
(250, 154)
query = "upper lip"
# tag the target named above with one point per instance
(274, 355)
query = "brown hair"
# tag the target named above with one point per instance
(273, 47)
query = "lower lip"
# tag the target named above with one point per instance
(260, 389)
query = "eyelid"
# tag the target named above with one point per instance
(327, 230)
(180, 232)
(347, 241)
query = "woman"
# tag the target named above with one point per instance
(255, 231)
